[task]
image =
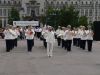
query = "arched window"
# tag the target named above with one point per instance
(96, 2)
(4, 2)
(19, 2)
(86, 2)
(82, 3)
(61, 2)
(66, 3)
(76, 3)
(52, 2)
(15, 2)
(90, 2)
(0, 1)
(72, 3)
(57, 3)
(8, 2)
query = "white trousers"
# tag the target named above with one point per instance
(49, 49)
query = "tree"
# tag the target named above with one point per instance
(69, 16)
(43, 19)
(83, 21)
(27, 18)
(63, 17)
(14, 16)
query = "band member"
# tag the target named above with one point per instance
(9, 37)
(69, 37)
(75, 38)
(83, 38)
(39, 30)
(58, 34)
(30, 38)
(44, 36)
(17, 34)
(63, 36)
(89, 38)
(78, 35)
(50, 41)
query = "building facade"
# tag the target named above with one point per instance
(5, 8)
(89, 8)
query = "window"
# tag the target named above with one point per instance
(82, 12)
(82, 3)
(57, 3)
(4, 12)
(0, 1)
(8, 2)
(4, 2)
(61, 2)
(52, 2)
(9, 10)
(90, 2)
(71, 2)
(76, 3)
(42, 10)
(86, 3)
(66, 3)
(0, 12)
(90, 12)
(86, 12)
(5, 22)
(96, 12)
(15, 2)
(19, 2)
(96, 2)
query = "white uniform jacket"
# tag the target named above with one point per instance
(29, 34)
(50, 37)
(89, 34)
(83, 35)
(9, 34)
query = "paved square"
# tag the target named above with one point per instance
(77, 62)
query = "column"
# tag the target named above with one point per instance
(88, 12)
(30, 11)
(6, 21)
(93, 11)
(84, 12)
(80, 12)
(2, 12)
(2, 22)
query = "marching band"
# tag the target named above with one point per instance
(66, 36)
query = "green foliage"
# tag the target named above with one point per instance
(14, 16)
(63, 17)
(27, 18)
(83, 21)
(43, 19)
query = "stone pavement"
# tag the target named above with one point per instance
(77, 62)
